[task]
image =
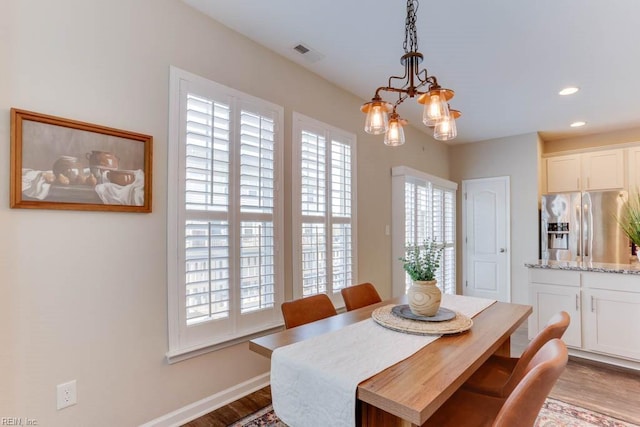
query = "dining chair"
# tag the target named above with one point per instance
(360, 296)
(499, 375)
(306, 310)
(521, 408)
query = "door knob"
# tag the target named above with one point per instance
(502, 250)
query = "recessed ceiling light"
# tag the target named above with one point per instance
(577, 124)
(569, 90)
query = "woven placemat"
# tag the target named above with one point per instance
(384, 317)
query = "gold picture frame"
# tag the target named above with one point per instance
(59, 163)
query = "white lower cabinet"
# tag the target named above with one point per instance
(551, 299)
(611, 322)
(604, 310)
(611, 314)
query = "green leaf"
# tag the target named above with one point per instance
(629, 219)
(422, 262)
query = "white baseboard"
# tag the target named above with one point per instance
(208, 404)
(610, 360)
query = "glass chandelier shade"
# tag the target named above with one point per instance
(445, 129)
(414, 82)
(377, 121)
(395, 134)
(436, 107)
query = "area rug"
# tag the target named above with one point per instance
(554, 413)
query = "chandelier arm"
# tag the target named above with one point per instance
(423, 77)
(400, 100)
(391, 89)
(405, 77)
(413, 78)
(381, 88)
(402, 90)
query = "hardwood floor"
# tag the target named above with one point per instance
(609, 390)
(602, 388)
(234, 411)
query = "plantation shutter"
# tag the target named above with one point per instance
(428, 213)
(323, 201)
(226, 215)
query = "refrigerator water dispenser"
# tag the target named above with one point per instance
(558, 235)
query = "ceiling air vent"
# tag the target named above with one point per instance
(307, 52)
(301, 49)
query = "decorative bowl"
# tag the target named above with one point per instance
(70, 169)
(121, 177)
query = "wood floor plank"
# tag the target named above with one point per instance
(610, 391)
(234, 411)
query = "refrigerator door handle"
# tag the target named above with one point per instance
(586, 223)
(579, 245)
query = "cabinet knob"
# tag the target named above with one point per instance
(502, 250)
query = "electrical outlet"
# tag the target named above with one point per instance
(66, 394)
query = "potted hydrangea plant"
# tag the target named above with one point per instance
(421, 264)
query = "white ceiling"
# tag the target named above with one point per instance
(505, 59)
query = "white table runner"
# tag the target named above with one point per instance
(314, 382)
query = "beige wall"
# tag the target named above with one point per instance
(83, 294)
(518, 158)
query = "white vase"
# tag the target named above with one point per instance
(424, 297)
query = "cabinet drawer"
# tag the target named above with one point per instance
(612, 281)
(554, 277)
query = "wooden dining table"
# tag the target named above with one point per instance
(409, 392)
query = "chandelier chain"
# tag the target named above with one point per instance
(410, 33)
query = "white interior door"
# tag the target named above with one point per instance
(486, 234)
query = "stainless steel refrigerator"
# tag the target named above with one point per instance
(582, 226)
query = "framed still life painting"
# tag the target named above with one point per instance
(59, 163)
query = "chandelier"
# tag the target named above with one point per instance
(382, 116)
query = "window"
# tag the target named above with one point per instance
(324, 201)
(225, 214)
(424, 206)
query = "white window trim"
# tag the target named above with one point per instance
(179, 347)
(301, 122)
(399, 176)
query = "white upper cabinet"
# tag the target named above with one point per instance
(563, 174)
(603, 170)
(598, 170)
(634, 169)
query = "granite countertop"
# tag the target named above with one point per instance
(599, 267)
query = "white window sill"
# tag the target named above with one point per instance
(187, 353)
